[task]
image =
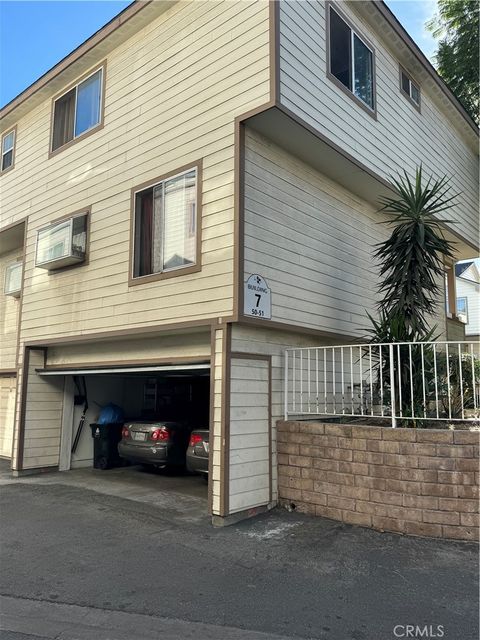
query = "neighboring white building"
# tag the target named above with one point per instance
(468, 296)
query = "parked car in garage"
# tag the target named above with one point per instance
(197, 452)
(158, 443)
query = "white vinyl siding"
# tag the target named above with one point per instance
(471, 291)
(401, 137)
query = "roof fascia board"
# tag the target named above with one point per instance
(423, 60)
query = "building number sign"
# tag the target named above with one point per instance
(258, 298)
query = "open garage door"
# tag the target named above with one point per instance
(167, 392)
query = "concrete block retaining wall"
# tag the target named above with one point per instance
(415, 481)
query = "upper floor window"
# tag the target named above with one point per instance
(78, 111)
(351, 60)
(409, 88)
(166, 219)
(8, 150)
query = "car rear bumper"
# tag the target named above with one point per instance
(151, 454)
(197, 464)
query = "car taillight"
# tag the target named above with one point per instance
(125, 432)
(160, 434)
(195, 439)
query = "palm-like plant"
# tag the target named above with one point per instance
(411, 267)
(412, 257)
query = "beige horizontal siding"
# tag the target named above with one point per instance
(311, 240)
(124, 350)
(43, 416)
(400, 138)
(172, 93)
(249, 484)
(265, 341)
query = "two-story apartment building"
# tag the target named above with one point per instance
(191, 191)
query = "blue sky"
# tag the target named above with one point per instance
(35, 35)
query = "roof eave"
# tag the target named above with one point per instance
(111, 26)
(423, 60)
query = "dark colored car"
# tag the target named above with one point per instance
(197, 452)
(155, 442)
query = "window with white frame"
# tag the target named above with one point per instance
(409, 88)
(351, 59)
(13, 279)
(62, 243)
(462, 309)
(78, 110)
(165, 225)
(8, 150)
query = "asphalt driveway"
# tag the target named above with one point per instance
(68, 548)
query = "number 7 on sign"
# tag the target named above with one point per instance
(258, 297)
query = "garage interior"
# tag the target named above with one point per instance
(165, 393)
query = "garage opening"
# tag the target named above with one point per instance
(160, 407)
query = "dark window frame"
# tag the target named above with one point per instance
(404, 72)
(100, 67)
(134, 280)
(372, 111)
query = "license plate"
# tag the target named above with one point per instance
(205, 445)
(139, 436)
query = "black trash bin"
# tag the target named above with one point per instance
(105, 444)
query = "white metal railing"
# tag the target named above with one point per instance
(404, 380)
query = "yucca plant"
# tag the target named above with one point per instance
(411, 267)
(412, 257)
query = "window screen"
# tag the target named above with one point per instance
(410, 88)
(362, 72)
(165, 225)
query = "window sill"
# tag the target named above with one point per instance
(409, 99)
(166, 275)
(371, 112)
(4, 171)
(79, 138)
